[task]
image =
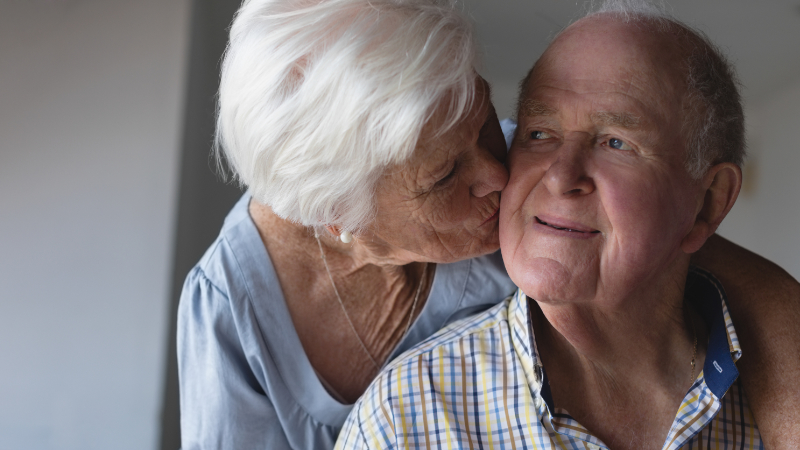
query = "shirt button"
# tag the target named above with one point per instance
(537, 402)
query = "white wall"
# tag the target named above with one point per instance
(91, 96)
(766, 218)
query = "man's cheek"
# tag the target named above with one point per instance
(512, 228)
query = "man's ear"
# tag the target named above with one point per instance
(721, 186)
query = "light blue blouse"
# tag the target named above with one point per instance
(245, 381)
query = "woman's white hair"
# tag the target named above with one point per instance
(318, 97)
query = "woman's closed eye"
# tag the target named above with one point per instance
(447, 179)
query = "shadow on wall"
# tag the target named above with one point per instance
(203, 198)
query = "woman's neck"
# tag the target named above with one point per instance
(372, 293)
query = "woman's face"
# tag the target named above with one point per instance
(442, 205)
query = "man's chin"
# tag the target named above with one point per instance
(544, 279)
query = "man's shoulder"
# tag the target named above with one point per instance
(426, 380)
(452, 347)
(459, 331)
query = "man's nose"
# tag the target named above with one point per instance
(489, 175)
(567, 174)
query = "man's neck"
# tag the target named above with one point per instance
(633, 357)
(639, 329)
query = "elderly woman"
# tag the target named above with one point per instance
(625, 161)
(373, 160)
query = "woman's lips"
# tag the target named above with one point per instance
(565, 226)
(492, 217)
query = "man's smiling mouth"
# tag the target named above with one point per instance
(562, 228)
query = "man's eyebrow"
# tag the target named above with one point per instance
(614, 119)
(532, 108)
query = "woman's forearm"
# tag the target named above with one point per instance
(764, 302)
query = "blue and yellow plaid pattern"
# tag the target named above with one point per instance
(479, 384)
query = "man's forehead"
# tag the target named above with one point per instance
(607, 46)
(532, 107)
(624, 80)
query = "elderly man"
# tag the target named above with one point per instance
(625, 160)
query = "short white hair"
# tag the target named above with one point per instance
(318, 97)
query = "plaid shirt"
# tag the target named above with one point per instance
(480, 384)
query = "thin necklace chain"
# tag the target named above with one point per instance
(347, 316)
(694, 332)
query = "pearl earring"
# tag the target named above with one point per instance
(346, 237)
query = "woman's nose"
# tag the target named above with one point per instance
(567, 174)
(490, 175)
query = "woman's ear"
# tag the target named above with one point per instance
(343, 235)
(334, 230)
(721, 186)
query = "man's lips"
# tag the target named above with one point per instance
(563, 225)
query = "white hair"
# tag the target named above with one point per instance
(318, 97)
(631, 10)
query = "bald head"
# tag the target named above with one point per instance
(678, 63)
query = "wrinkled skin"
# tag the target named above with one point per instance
(442, 205)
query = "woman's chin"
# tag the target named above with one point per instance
(485, 241)
(457, 249)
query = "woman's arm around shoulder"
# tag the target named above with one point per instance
(764, 302)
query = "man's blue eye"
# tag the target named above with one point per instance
(618, 144)
(540, 135)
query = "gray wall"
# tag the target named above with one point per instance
(767, 214)
(92, 102)
(204, 198)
